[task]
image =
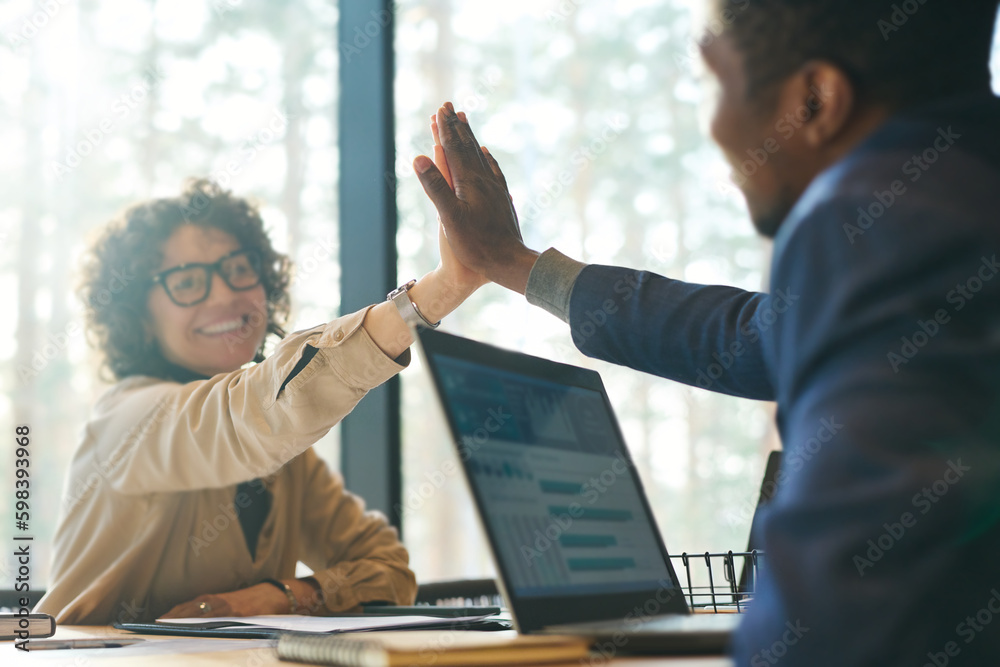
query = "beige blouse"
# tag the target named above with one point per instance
(149, 518)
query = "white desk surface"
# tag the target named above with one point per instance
(223, 653)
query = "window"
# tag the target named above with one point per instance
(111, 103)
(592, 110)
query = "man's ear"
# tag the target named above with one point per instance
(829, 95)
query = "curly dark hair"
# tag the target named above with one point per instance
(119, 265)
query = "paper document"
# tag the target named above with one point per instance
(324, 623)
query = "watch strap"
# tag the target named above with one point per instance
(408, 310)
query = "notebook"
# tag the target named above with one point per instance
(570, 529)
(401, 649)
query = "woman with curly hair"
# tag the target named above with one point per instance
(195, 489)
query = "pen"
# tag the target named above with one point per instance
(60, 644)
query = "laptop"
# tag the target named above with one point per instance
(570, 529)
(768, 487)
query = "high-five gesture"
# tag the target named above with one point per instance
(478, 218)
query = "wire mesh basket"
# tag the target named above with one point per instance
(711, 582)
(718, 582)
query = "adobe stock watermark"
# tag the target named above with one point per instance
(714, 26)
(793, 461)
(223, 7)
(767, 316)
(562, 11)
(362, 36)
(580, 159)
(606, 650)
(121, 108)
(476, 96)
(32, 24)
(923, 502)
(319, 253)
(473, 98)
(57, 342)
(227, 516)
(103, 471)
(958, 299)
(967, 630)
(273, 128)
(624, 289)
(914, 168)
(900, 14)
(779, 648)
(250, 327)
(435, 480)
(786, 127)
(130, 611)
(561, 521)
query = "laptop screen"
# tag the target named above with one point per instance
(554, 484)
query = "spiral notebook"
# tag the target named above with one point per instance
(402, 649)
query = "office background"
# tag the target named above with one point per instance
(596, 111)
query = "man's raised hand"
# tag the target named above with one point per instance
(478, 218)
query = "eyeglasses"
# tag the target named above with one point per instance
(189, 284)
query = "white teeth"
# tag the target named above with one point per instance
(222, 327)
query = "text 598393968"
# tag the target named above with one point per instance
(22, 517)
(22, 474)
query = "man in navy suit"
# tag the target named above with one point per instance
(874, 143)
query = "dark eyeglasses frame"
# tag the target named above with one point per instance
(215, 267)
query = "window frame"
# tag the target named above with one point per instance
(371, 436)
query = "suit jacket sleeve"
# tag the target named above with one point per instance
(705, 336)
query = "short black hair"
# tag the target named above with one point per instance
(898, 53)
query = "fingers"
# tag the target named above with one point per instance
(460, 145)
(434, 131)
(202, 606)
(441, 162)
(174, 613)
(435, 184)
(494, 166)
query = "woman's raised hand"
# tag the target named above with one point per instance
(463, 277)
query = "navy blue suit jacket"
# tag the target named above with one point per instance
(880, 342)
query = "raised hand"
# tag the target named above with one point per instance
(478, 218)
(457, 273)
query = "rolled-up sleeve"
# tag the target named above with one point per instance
(551, 281)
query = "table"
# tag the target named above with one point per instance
(161, 651)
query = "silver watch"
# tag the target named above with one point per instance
(407, 309)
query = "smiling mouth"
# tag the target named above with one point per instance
(225, 327)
